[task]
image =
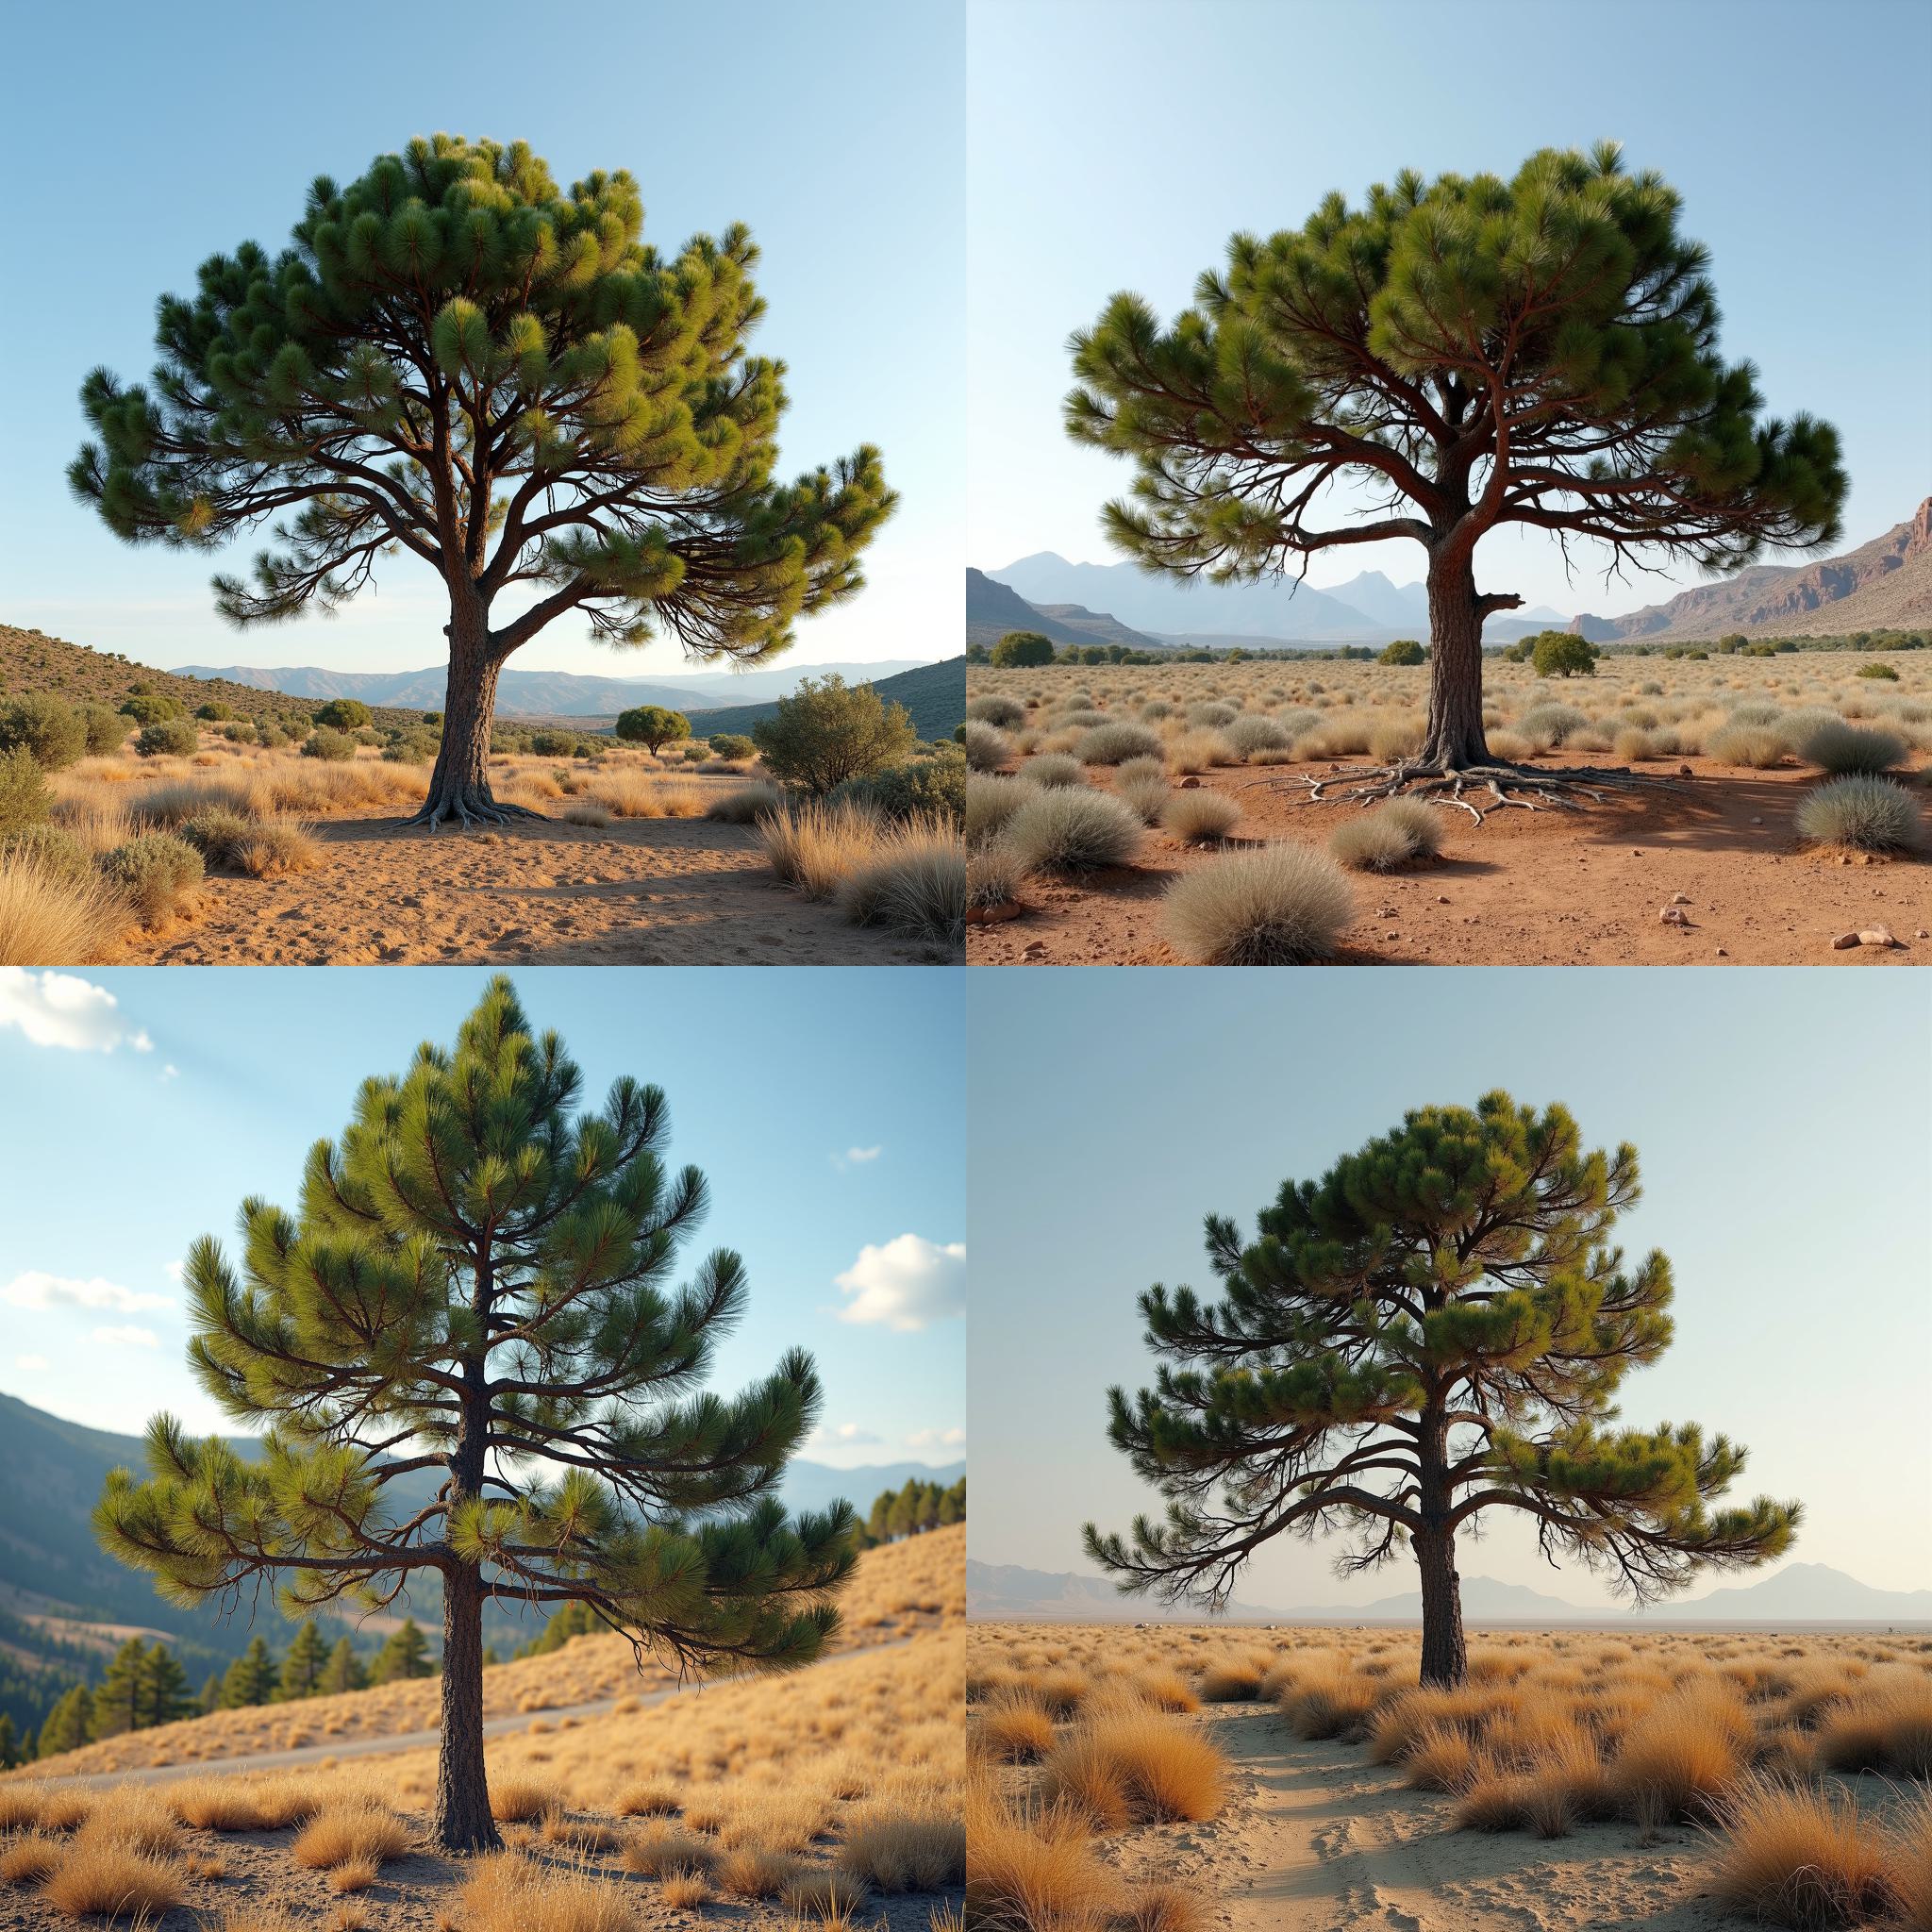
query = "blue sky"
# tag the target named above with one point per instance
(1116, 144)
(1780, 1120)
(158, 136)
(144, 1104)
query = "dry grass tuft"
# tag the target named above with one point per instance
(1025, 1872)
(359, 1875)
(659, 1851)
(897, 1850)
(29, 1857)
(753, 1873)
(1136, 1766)
(816, 846)
(1800, 1858)
(513, 1800)
(50, 920)
(508, 1893)
(1013, 1731)
(98, 1879)
(343, 1833)
(1282, 906)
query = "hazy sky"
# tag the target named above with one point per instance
(1116, 144)
(154, 137)
(1779, 1117)
(144, 1106)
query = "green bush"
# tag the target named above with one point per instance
(24, 800)
(652, 725)
(152, 707)
(221, 837)
(931, 787)
(156, 872)
(215, 712)
(107, 730)
(1562, 653)
(268, 733)
(731, 744)
(1867, 814)
(344, 714)
(554, 744)
(239, 732)
(338, 747)
(1404, 651)
(1022, 650)
(412, 748)
(54, 733)
(170, 738)
(1884, 671)
(828, 731)
(54, 850)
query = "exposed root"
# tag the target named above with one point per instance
(1558, 788)
(470, 810)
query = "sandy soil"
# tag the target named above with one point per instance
(1316, 1838)
(1546, 888)
(642, 892)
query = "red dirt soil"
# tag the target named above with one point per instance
(1530, 889)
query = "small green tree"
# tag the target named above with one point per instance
(403, 1655)
(481, 1273)
(344, 1669)
(1470, 353)
(152, 707)
(168, 1697)
(1562, 653)
(251, 1678)
(9, 1744)
(53, 732)
(828, 731)
(1022, 650)
(122, 1701)
(652, 725)
(64, 1728)
(344, 714)
(1404, 651)
(1433, 1331)
(458, 362)
(211, 1693)
(304, 1666)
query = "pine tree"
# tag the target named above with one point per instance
(168, 1695)
(65, 1725)
(251, 1678)
(10, 1746)
(344, 1669)
(211, 1693)
(121, 1700)
(878, 1526)
(405, 1655)
(450, 352)
(1432, 1331)
(1476, 352)
(953, 1506)
(302, 1668)
(480, 1278)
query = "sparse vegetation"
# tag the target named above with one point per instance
(1280, 906)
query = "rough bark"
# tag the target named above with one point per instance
(1445, 1657)
(459, 786)
(464, 1823)
(1454, 741)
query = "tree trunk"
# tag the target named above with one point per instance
(1445, 1658)
(1454, 741)
(459, 786)
(464, 1823)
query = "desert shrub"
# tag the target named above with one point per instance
(334, 747)
(1211, 714)
(913, 882)
(554, 744)
(174, 738)
(746, 805)
(153, 871)
(1843, 749)
(989, 804)
(152, 707)
(1199, 750)
(343, 714)
(1863, 813)
(1394, 834)
(731, 744)
(1114, 742)
(1073, 832)
(1200, 814)
(52, 733)
(1547, 725)
(987, 747)
(1147, 793)
(828, 731)
(816, 845)
(1053, 770)
(1002, 713)
(25, 799)
(412, 748)
(1875, 669)
(994, 877)
(214, 711)
(1256, 733)
(1404, 651)
(1020, 650)
(1282, 906)
(1082, 717)
(221, 837)
(53, 848)
(1757, 746)
(933, 787)
(240, 731)
(1798, 1858)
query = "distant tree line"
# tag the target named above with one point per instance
(912, 1510)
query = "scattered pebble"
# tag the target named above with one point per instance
(1673, 915)
(1680, 898)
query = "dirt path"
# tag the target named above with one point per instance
(641, 892)
(1316, 1838)
(1532, 889)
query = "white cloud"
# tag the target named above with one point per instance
(937, 1438)
(129, 1337)
(907, 1284)
(63, 1010)
(35, 1290)
(846, 1436)
(33, 1364)
(856, 1156)
(171, 1071)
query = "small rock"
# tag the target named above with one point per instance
(1673, 915)
(1876, 936)
(1844, 942)
(1392, 935)
(1721, 954)
(1190, 784)
(1683, 770)
(1923, 934)
(1385, 911)
(1757, 822)
(1680, 898)
(1442, 899)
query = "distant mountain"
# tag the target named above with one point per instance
(544, 693)
(1798, 1593)
(935, 694)
(994, 609)
(1375, 597)
(1883, 585)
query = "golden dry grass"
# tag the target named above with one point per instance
(48, 920)
(1804, 1858)
(102, 1878)
(345, 1833)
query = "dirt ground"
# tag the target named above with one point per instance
(641, 892)
(1545, 888)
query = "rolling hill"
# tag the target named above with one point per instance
(1883, 585)
(935, 694)
(994, 609)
